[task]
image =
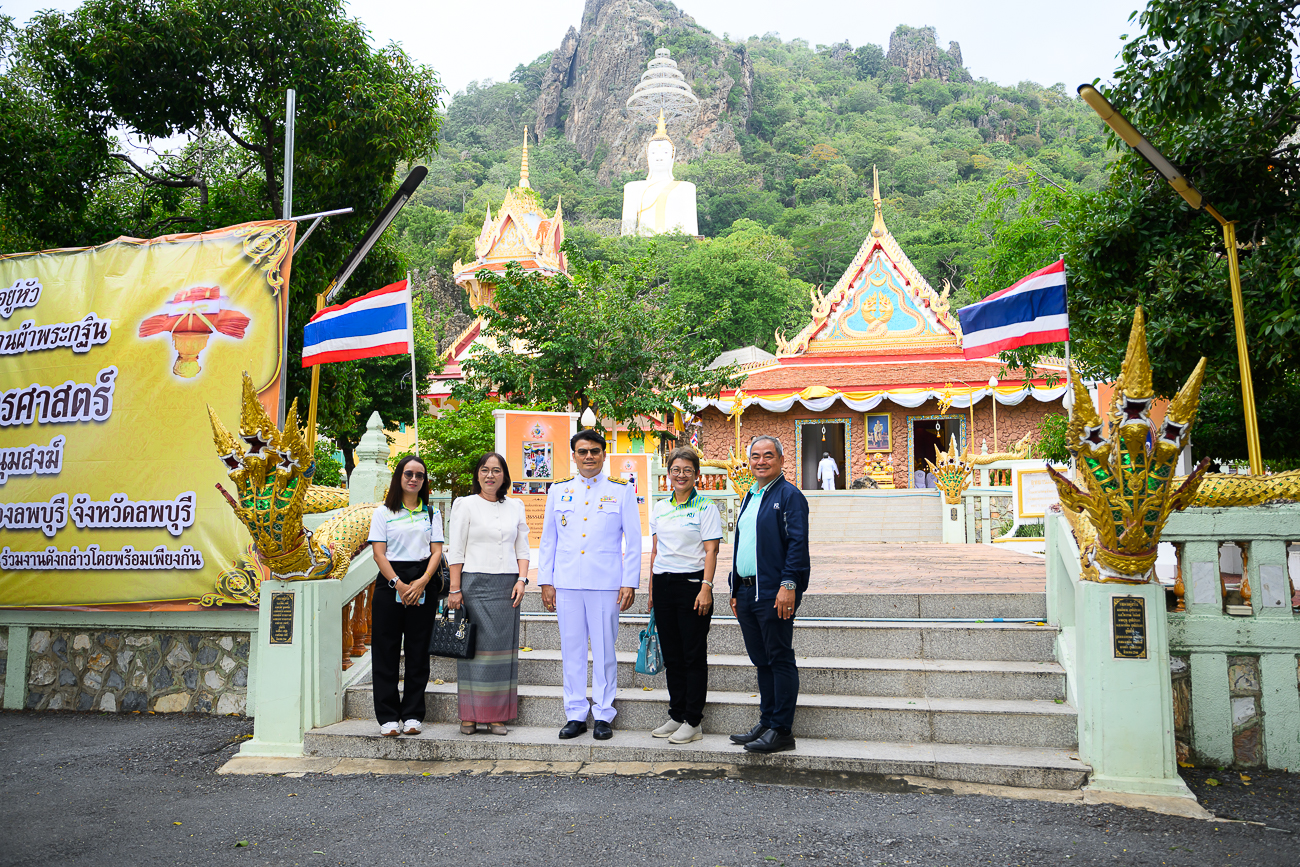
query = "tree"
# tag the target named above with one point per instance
(1211, 84)
(451, 443)
(603, 338)
(48, 164)
(745, 273)
(1022, 216)
(215, 74)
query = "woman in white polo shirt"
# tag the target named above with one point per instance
(686, 530)
(406, 537)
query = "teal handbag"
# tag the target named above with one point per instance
(649, 658)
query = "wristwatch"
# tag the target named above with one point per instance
(523, 578)
(789, 585)
(392, 583)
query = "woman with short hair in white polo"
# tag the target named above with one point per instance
(686, 530)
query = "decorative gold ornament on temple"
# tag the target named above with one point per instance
(272, 472)
(1129, 486)
(945, 400)
(952, 471)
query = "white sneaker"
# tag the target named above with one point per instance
(686, 733)
(667, 728)
(411, 727)
(390, 729)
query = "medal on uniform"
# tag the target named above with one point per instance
(564, 522)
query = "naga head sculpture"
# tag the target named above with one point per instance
(1129, 489)
(272, 471)
(951, 472)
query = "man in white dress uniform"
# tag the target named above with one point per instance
(827, 470)
(589, 568)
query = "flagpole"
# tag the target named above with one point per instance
(415, 401)
(315, 389)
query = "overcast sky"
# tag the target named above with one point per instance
(1006, 41)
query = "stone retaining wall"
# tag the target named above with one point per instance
(137, 670)
(1249, 727)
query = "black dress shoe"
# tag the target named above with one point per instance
(604, 731)
(572, 729)
(771, 741)
(750, 736)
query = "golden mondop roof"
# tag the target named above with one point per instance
(521, 232)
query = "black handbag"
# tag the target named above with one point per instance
(453, 635)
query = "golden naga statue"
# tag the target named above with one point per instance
(272, 472)
(1129, 487)
(951, 471)
(1019, 452)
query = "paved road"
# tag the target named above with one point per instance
(141, 790)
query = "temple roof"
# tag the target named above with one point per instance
(745, 358)
(521, 232)
(880, 305)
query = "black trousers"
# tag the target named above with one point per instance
(393, 623)
(769, 640)
(684, 642)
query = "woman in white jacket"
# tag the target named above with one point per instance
(488, 554)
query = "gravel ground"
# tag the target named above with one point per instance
(142, 789)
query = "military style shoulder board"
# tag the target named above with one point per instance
(562, 481)
(619, 481)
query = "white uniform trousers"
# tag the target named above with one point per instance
(588, 615)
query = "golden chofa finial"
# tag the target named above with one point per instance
(523, 169)
(878, 223)
(661, 132)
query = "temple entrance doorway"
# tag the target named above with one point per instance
(927, 434)
(816, 438)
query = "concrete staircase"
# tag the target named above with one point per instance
(874, 516)
(889, 688)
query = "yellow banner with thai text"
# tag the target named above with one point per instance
(111, 357)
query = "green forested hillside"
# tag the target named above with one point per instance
(952, 156)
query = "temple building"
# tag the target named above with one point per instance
(876, 380)
(520, 232)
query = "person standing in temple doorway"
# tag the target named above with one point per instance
(827, 470)
(769, 576)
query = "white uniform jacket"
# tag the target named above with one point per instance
(591, 535)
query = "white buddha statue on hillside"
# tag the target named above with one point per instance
(659, 204)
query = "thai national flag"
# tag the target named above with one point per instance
(1032, 310)
(375, 324)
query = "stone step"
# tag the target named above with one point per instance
(847, 717)
(933, 678)
(839, 763)
(930, 606)
(916, 639)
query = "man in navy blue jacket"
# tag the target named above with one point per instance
(769, 575)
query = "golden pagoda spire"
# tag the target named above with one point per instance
(878, 224)
(661, 132)
(523, 169)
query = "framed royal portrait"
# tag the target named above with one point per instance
(879, 434)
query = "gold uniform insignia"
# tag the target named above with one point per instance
(619, 481)
(564, 522)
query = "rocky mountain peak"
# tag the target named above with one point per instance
(594, 70)
(916, 51)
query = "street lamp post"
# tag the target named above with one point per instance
(1193, 197)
